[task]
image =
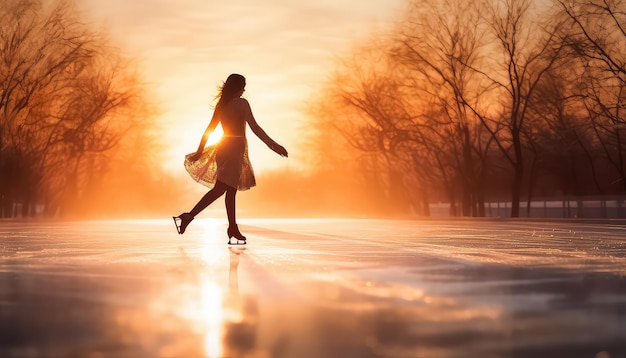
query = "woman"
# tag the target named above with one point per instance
(226, 166)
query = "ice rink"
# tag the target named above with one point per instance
(314, 288)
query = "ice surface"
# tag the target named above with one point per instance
(313, 288)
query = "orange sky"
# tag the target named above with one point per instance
(285, 48)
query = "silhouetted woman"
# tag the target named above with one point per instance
(226, 166)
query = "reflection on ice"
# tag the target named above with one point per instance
(313, 288)
(241, 314)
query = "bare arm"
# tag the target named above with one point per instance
(207, 132)
(259, 132)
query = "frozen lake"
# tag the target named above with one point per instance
(314, 288)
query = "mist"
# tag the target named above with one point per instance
(457, 103)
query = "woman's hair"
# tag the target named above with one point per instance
(230, 89)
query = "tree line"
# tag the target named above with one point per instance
(465, 102)
(71, 106)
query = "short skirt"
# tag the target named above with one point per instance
(227, 161)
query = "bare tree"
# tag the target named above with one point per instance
(462, 94)
(342, 174)
(370, 97)
(560, 137)
(597, 38)
(63, 91)
(438, 45)
(526, 46)
(598, 33)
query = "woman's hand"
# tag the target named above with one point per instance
(195, 156)
(280, 150)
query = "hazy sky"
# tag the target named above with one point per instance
(285, 48)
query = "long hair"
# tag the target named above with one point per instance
(229, 90)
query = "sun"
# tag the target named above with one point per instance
(216, 135)
(184, 141)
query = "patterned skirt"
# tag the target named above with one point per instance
(226, 161)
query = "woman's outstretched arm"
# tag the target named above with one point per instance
(207, 132)
(259, 132)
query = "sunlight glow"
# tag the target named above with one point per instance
(216, 135)
(212, 313)
(211, 293)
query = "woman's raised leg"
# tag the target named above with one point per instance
(218, 190)
(184, 219)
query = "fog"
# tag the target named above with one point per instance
(457, 103)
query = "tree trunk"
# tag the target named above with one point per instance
(531, 186)
(518, 175)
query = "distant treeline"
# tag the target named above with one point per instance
(72, 112)
(462, 102)
(468, 101)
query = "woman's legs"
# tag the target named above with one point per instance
(231, 193)
(218, 190)
(233, 230)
